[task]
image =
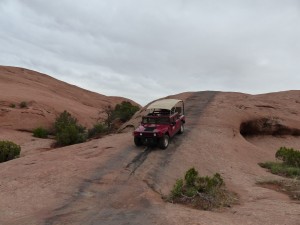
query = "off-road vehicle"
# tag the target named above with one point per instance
(164, 119)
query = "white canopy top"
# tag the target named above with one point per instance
(164, 104)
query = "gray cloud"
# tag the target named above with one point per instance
(148, 49)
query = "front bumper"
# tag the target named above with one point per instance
(147, 138)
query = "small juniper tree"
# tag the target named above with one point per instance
(109, 112)
(123, 111)
(68, 131)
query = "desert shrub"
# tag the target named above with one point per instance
(8, 150)
(68, 131)
(201, 192)
(190, 191)
(177, 189)
(122, 112)
(290, 165)
(281, 169)
(190, 176)
(125, 111)
(12, 105)
(40, 132)
(209, 184)
(289, 156)
(23, 104)
(97, 129)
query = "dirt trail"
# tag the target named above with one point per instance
(114, 194)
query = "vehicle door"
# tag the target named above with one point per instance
(175, 125)
(177, 122)
(172, 127)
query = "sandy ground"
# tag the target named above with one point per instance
(110, 181)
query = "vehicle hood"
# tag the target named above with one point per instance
(152, 128)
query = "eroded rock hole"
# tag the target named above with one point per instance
(267, 126)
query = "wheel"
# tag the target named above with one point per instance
(164, 141)
(137, 141)
(181, 130)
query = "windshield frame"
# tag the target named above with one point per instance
(156, 120)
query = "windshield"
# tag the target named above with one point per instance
(154, 120)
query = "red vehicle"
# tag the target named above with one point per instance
(165, 118)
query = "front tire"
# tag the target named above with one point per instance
(137, 141)
(164, 141)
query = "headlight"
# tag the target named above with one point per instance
(141, 134)
(154, 134)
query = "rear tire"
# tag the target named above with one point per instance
(181, 130)
(164, 141)
(137, 141)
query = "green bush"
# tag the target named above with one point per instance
(201, 192)
(68, 131)
(289, 156)
(177, 189)
(8, 150)
(12, 105)
(209, 184)
(281, 169)
(125, 111)
(23, 105)
(40, 132)
(122, 112)
(97, 129)
(190, 176)
(190, 191)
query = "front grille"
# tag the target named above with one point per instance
(148, 134)
(150, 129)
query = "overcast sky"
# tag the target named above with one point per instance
(146, 49)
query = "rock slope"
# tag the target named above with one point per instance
(110, 181)
(44, 98)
